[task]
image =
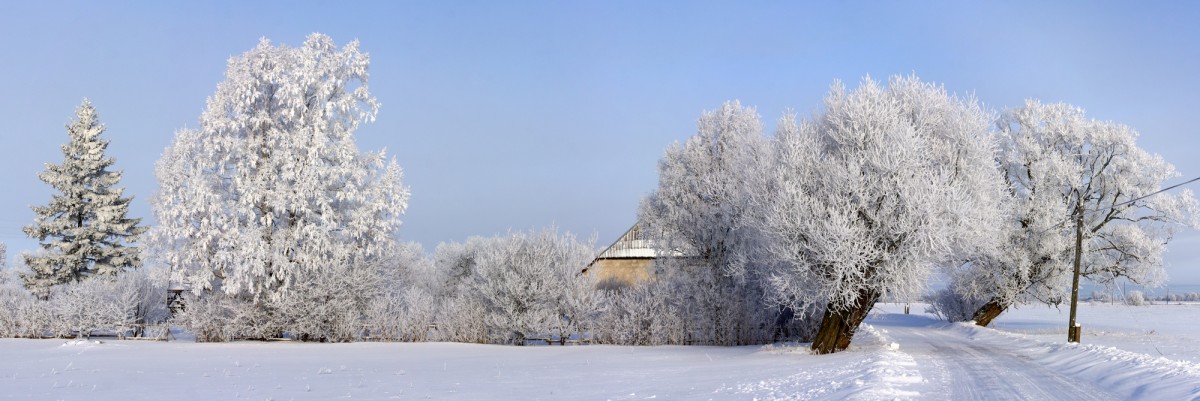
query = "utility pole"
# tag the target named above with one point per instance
(1073, 329)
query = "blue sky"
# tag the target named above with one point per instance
(522, 114)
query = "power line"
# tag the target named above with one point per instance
(1158, 192)
(1068, 219)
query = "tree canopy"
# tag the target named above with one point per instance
(271, 186)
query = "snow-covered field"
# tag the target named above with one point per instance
(1170, 330)
(895, 356)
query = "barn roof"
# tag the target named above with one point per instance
(633, 244)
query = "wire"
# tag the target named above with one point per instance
(1068, 219)
(1158, 192)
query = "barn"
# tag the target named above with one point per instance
(629, 260)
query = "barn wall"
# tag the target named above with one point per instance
(630, 271)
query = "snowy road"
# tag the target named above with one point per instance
(958, 367)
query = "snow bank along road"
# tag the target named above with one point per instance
(894, 356)
(964, 362)
(897, 356)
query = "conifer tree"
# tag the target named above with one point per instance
(84, 230)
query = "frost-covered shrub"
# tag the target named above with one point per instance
(715, 308)
(332, 304)
(339, 303)
(488, 290)
(104, 304)
(85, 307)
(206, 318)
(952, 306)
(74, 308)
(640, 315)
(580, 307)
(523, 281)
(402, 317)
(332, 307)
(21, 314)
(460, 313)
(460, 319)
(1100, 296)
(107, 304)
(685, 305)
(419, 312)
(509, 288)
(1135, 298)
(1187, 297)
(220, 317)
(141, 296)
(405, 265)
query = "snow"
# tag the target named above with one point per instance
(894, 356)
(1170, 330)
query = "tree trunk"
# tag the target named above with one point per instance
(988, 312)
(838, 325)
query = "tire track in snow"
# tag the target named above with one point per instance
(967, 370)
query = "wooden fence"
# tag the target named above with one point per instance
(123, 331)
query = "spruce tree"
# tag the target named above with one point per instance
(84, 230)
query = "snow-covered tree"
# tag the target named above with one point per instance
(881, 186)
(708, 209)
(407, 265)
(271, 189)
(705, 202)
(1058, 162)
(460, 312)
(84, 230)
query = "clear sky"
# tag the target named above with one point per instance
(521, 114)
